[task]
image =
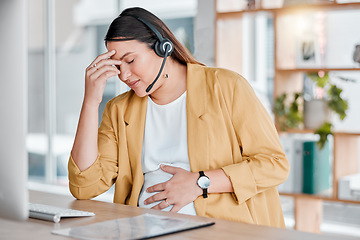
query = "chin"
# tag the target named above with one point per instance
(140, 93)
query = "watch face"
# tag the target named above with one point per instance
(204, 182)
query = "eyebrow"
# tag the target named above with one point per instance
(126, 54)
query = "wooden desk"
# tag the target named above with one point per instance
(37, 229)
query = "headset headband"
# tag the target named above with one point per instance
(149, 25)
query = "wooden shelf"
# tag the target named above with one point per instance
(311, 7)
(328, 195)
(320, 6)
(304, 131)
(324, 197)
(316, 69)
(347, 133)
(289, 79)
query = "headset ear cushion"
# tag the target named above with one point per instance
(160, 47)
(158, 50)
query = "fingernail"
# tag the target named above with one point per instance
(112, 51)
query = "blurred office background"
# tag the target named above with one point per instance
(65, 36)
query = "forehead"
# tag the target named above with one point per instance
(126, 47)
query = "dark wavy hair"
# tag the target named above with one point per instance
(127, 27)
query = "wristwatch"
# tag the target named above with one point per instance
(203, 182)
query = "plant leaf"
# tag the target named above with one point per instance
(323, 131)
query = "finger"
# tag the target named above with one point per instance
(175, 208)
(100, 82)
(170, 169)
(102, 70)
(106, 75)
(156, 188)
(155, 198)
(161, 205)
(101, 57)
(110, 64)
(109, 61)
(94, 72)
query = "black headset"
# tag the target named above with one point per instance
(163, 47)
(162, 43)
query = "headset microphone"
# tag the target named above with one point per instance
(157, 77)
(163, 47)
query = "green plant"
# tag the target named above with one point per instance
(323, 131)
(289, 115)
(334, 99)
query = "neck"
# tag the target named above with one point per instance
(172, 87)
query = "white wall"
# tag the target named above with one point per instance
(343, 33)
(204, 32)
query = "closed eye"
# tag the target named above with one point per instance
(131, 61)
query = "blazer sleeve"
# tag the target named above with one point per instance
(263, 164)
(101, 175)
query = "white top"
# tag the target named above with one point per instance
(165, 142)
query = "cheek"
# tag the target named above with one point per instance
(151, 60)
(141, 69)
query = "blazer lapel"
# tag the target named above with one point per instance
(135, 124)
(197, 128)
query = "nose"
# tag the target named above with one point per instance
(125, 72)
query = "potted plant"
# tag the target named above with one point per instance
(312, 111)
(287, 113)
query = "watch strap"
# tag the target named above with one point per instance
(205, 193)
(202, 174)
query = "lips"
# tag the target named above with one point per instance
(134, 83)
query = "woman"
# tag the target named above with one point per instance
(195, 140)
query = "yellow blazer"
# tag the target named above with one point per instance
(227, 128)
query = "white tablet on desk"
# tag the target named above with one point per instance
(140, 227)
